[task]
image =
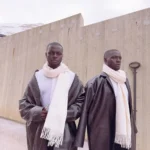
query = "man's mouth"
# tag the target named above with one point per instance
(54, 61)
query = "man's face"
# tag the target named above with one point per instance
(54, 55)
(114, 60)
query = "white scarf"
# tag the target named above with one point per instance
(123, 123)
(53, 129)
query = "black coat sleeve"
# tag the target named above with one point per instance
(28, 109)
(76, 100)
(89, 95)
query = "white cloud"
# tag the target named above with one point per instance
(1, 19)
(46, 11)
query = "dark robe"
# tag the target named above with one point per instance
(99, 113)
(30, 109)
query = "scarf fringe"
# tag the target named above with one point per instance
(123, 141)
(53, 140)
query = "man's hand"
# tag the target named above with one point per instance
(44, 113)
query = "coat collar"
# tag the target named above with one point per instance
(103, 74)
(35, 89)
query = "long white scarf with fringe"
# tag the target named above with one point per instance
(53, 129)
(123, 123)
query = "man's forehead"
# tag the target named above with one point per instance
(55, 47)
(112, 54)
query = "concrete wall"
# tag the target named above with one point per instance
(22, 53)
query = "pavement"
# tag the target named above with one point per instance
(13, 136)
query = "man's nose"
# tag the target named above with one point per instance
(118, 60)
(55, 55)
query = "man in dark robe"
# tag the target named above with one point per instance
(107, 111)
(51, 103)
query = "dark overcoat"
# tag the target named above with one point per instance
(30, 108)
(99, 114)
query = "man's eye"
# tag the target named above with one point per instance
(58, 53)
(52, 53)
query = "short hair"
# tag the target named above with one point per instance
(54, 44)
(108, 52)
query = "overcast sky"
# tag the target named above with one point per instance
(46, 11)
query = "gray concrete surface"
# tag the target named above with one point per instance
(13, 136)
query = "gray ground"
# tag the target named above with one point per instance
(12, 136)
